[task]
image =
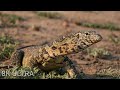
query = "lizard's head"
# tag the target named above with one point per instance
(86, 39)
(75, 42)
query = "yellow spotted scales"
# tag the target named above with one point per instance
(53, 57)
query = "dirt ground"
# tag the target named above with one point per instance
(49, 30)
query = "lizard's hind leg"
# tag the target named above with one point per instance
(17, 57)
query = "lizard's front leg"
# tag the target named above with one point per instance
(70, 68)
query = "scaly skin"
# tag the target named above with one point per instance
(53, 57)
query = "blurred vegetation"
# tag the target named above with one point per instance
(99, 53)
(115, 39)
(109, 26)
(51, 15)
(10, 19)
(7, 46)
(109, 73)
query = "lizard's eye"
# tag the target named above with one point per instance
(87, 33)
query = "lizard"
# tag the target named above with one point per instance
(54, 56)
